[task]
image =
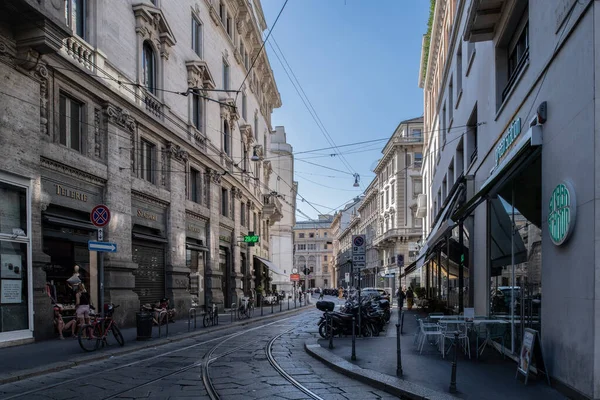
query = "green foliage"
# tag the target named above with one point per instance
(428, 37)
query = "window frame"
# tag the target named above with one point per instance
(226, 75)
(149, 73)
(197, 35)
(147, 172)
(72, 21)
(198, 111)
(70, 101)
(226, 137)
(195, 192)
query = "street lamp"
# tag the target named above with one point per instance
(356, 179)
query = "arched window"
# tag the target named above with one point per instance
(149, 68)
(226, 135)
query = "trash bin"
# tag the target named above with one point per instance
(144, 325)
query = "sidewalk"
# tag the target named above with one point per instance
(20, 362)
(427, 375)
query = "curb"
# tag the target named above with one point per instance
(390, 384)
(63, 365)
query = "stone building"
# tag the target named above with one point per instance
(313, 252)
(511, 160)
(135, 105)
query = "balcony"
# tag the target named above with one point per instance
(483, 19)
(81, 52)
(421, 206)
(391, 236)
(272, 209)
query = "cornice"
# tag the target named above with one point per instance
(148, 199)
(199, 75)
(70, 171)
(436, 33)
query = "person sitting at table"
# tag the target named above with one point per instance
(60, 325)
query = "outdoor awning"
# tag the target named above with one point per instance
(445, 222)
(501, 246)
(272, 267)
(512, 162)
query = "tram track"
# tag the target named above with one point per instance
(85, 378)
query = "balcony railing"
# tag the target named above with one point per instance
(392, 234)
(80, 51)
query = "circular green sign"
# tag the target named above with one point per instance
(561, 213)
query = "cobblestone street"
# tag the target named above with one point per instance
(233, 362)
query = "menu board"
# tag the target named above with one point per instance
(10, 291)
(531, 350)
(469, 314)
(11, 266)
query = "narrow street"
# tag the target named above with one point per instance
(261, 360)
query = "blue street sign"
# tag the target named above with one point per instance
(108, 247)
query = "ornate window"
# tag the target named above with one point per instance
(71, 116)
(75, 11)
(198, 111)
(149, 68)
(197, 36)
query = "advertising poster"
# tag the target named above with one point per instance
(526, 350)
(10, 291)
(11, 266)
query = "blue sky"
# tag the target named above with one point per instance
(358, 63)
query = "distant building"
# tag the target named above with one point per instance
(313, 252)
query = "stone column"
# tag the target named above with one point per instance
(119, 280)
(178, 274)
(236, 268)
(212, 274)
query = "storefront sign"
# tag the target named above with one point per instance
(561, 213)
(146, 215)
(74, 194)
(514, 130)
(11, 291)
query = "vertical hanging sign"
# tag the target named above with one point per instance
(562, 211)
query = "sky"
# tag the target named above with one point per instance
(357, 64)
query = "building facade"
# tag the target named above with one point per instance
(283, 195)
(342, 241)
(313, 252)
(399, 184)
(134, 105)
(509, 210)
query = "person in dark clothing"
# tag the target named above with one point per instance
(400, 295)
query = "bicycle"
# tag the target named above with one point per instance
(246, 308)
(211, 317)
(91, 335)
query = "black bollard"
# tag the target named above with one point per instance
(330, 320)
(353, 340)
(261, 306)
(271, 306)
(288, 303)
(232, 312)
(398, 352)
(402, 322)
(280, 305)
(453, 377)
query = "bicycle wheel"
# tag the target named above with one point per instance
(206, 320)
(117, 334)
(85, 341)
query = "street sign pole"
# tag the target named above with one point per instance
(100, 216)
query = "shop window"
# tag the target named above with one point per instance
(148, 160)
(195, 191)
(149, 72)
(71, 125)
(198, 112)
(197, 36)
(14, 308)
(75, 16)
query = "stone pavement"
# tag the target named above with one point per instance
(427, 375)
(20, 362)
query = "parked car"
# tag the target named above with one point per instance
(375, 292)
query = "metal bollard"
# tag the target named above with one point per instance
(330, 321)
(232, 312)
(401, 322)
(280, 305)
(160, 319)
(353, 358)
(288, 303)
(453, 377)
(261, 306)
(190, 312)
(398, 352)
(271, 306)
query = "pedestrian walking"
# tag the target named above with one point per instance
(321, 294)
(410, 297)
